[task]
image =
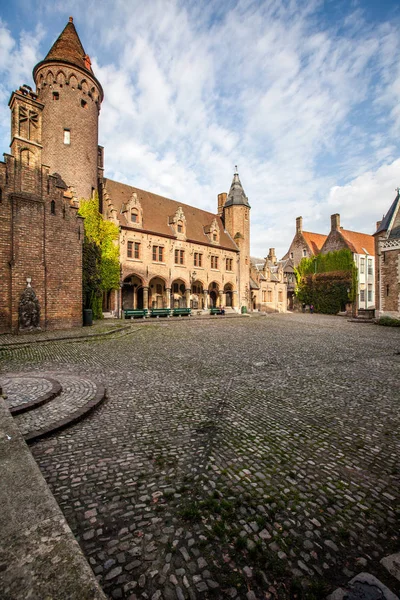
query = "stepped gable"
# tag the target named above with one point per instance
(359, 242)
(157, 211)
(315, 241)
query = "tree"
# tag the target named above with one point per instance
(101, 267)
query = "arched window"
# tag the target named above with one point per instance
(134, 216)
(180, 227)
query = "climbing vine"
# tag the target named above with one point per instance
(101, 266)
(328, 281)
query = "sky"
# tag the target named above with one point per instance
(301, 95)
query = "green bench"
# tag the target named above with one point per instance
(160, 312)
(217, 311)
(182, 312)
(135, 313)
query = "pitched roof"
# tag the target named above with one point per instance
(157, 211)
(68, 49)
(387, 219)
(360, 243)
(315, 241)
(236, 193)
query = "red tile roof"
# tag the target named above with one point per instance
(157, 210)
(360, 243)
(315, 241)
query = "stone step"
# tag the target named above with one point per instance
(78, 397)
(27, 392)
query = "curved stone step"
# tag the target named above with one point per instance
(78, 397)
(26, 392)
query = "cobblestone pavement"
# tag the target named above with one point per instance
(249, 458)
(76, 392)
(24, 390)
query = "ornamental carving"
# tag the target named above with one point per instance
(29, 309)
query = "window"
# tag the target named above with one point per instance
(362, 266)
(229, 263)
(158, 253)
(387, 289)
(52, 207)
(362, 295)
(83, 103)
(198, 259)
(67, 136)
(134, 216)
(214, 262)
(370, 270)
(304, 252)
(179, 257)
(370, 293)
(56, 96)
(180, 227)
(291, 255)
(264, 296)
(269, 295)
(215, 237)
(280, 296)
(133, 250)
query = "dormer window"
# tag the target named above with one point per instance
(180, 227)
(177, 223)
(215, 236)
(134, 216)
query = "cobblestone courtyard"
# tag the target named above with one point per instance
(233, 458)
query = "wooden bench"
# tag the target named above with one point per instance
(160, 312)
(217, 311)
(182, 312)
(135, 313)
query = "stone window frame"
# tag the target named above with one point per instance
(158, 253)
(229, 264)
(370, 268)
(198, 259)
(133, 250)
(214, 262)
(179, 256)
(362, 295)
(362, 266)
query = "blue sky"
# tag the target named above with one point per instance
(302, 95)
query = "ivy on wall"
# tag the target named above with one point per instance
(328, 281)
(101, 266)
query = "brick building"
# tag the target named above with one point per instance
(172, 254)
(268, 284)
(361, 245)
(387, 248)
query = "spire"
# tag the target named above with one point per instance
(68, 49)
(236, 193)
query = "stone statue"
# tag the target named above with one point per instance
(29, 309)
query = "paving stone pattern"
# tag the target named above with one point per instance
(250, 458)
(76, 392)
(24, 390)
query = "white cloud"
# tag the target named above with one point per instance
(307, 106)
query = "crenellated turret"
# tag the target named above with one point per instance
(72, 96)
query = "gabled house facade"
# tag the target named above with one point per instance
(387, 248)
(268, 285)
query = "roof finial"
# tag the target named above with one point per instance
(71, 19)
(236, 170)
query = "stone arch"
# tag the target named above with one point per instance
(49, 78)
(61, 78)
(213, 294)
(197, 294)
(73, 82)
(84, 86)
(228, 293)
(132, 292)
(180, 294)
(158, 292)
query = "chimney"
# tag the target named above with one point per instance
(272, 255)
(378, 224)
(335, 222)
(299, 224)
(221, 202)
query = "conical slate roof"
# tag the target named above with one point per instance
(384, 226)
(68, 49)
(236, 193)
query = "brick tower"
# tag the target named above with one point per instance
(71, 97)
(236, 215)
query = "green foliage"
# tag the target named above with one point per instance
(324, 281)
(101, 268)
(389, 322)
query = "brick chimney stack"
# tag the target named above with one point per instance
(299, 224)
(221, 202)
(272, 255)
(378, 224)
(335, 222)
